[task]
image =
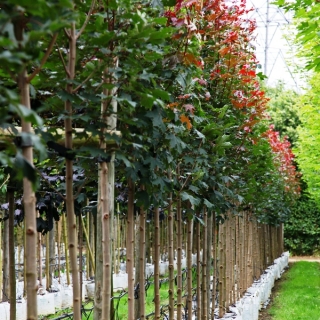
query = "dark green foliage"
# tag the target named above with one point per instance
(302, 230)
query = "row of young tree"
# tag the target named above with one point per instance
(160, 99)
(302, 231)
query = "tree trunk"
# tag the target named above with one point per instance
(106, 273)
(99, 259)
(209, 259)
(29, 203)
(171, 258)
(58, 227)
(199, 262)
(156, 262)
(47, 262)
(214, 256)
(204, 295)
(80, 253)
(112, 126)
(65, 242)
(13, 307)
(189, 265)
(221, 270)
(71, 218)
(6, 282)
(179, 259)
(130, 250)
(142, 263)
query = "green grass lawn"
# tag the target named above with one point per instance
(122, 308)
(299, 295)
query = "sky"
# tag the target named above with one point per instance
(281, 62)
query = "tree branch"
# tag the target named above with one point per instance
(63, 62)
(87, 20)
(12, 76)
(80, 188)
(83, 82)
(8, 177)
(188, 178)
(44, 59)
(67, 33)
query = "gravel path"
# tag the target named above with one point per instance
(304, 258)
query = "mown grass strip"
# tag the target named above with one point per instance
(299, 295)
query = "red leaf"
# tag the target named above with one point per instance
(189, 107)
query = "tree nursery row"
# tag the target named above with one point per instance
(141, 125)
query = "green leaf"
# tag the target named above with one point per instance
(28, 115)
(261, 76)
(199, 220)
(26, 170)
(208, 204)
(143, 199)
(122, 157)
(188, 197)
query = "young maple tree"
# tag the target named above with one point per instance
(284, 158)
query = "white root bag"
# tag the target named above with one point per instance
(120, 281)
(57, 300)
(46, 304)
(90, 290)
(67, 297)
(163, 268)
(149, 269)
(247, 308)
(21, 311)
(5, 311)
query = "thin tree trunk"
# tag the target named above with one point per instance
(47, 262)
(214, 255)
(156, 260)
(66, 251)
(148, 251)
(179, 258)
(52, 255)
(204, 295)
(106, 273)
(189, 265)
(112, 126)
(130, 250)
(40, 257)
(106, 221)
(29, 203)
(199, 304)
(80, 253)
(58, 227)
(137, 280)
(221, 270)
(13, 307)
(6, 282)
(142, 257)
(90, 257)
(97, 311)
(209, 259)
(71, 218)
(171, 258)
(87, 233)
